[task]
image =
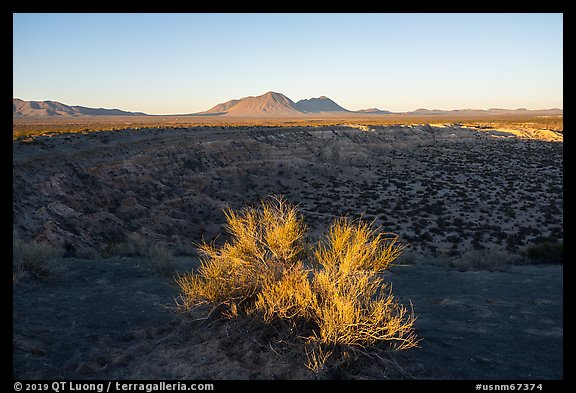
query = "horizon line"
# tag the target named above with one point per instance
(349, 110)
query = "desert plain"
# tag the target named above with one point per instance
(121, 207)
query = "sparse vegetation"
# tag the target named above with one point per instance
(36, 258)
(132, 245)
(23, 128)
(159, 257)
(173, 196)
(546, 252)
(332, 295)
(70, 189)
(492, 260)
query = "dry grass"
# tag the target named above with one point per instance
(545, 252)
(38, 259)
(160, 259)
(132, 245)
(334, 298)
(265, 243)
(492, 260)
(157, 256)
(356, 308)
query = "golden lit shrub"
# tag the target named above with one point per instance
(337, 292)
(264, 244)
(290, 296)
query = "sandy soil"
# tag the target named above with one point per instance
(115, 319)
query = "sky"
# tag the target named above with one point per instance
(186, 63)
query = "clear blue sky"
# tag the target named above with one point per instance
(185, 63)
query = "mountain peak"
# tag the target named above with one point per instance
(268, 104)
(374, 111)
(46, 108)
(274, 104)
(320, 104)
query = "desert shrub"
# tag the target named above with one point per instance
(264, 243)
(133, 245)
(454, 239)
(408, 257)
(332, 295)
(426, 237)
(157, 256)
(36, 258)
(185, 249)
(289, 297)
(355, 306)
(545, 252)
(485, 259)
(160, 259)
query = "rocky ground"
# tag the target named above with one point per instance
(115, 319)
(447, 191)
(444, 190)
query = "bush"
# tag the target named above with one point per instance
(133, 245)
(492, 260)
(160, 259)
(332, 295)
(546, 252)
(265, 243)
(157, 256)
(39, 259)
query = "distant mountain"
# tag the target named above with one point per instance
(273, 104)
(318, 105)
(222, 108)
(21, 108)
(491, 111)
(549, 112)
(373, 111)
(276, 104)
(269, 104)
(426, 112)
